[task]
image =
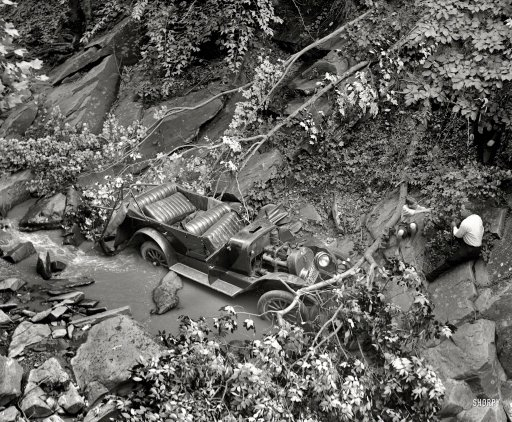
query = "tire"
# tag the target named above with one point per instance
(277, 300)
(151, 252)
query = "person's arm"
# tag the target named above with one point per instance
(461, 231)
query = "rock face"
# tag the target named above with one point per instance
(26, 334)
(165, 294)
(500, 260)
(89, 99)
(45, 215)
(13, 190)
(470, 356)
(111, 350)
(119, 41)
(71, 401)
(11, 414)
(453, 294)
(259, 169)
(458, 397)
(180, 128)
(11, 373)
(19, 121)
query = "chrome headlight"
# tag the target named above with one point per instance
(322, 260)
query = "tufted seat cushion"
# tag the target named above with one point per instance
(155, 194)
(205, 220)
(171, 209)
(218, 234)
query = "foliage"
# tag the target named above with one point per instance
(291, 374)
(15, 73)
(178, 30)
(58, 153)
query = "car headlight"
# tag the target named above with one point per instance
(322, 259)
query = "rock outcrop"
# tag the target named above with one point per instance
(89, 99)
(45, 214)
(112, 348)
(18, 121)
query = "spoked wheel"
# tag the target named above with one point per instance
(151, 252)
(277, 300)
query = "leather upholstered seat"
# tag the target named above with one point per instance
(218, 234)
(171, 209)
(155, 194)
(205, 220)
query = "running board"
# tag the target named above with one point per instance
(202, 278)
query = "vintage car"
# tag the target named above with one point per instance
(204, 239)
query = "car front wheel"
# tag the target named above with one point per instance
(151, 252)
(277, 300)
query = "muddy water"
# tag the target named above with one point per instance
(126, 279)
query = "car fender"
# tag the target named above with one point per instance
(279, 281)
(148, 233)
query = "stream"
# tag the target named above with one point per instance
(126, 279)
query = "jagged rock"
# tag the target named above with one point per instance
(50, 375)
(57, 266)
(71, 298)
(495, 305)
(483, 414)
(19, 120)
(180, 128)
(165, 295)
(11, 414)
(4, 318)
(12, 283)
(58, 312)
(309, 212)
(381, 213)
(89, 99)
(43, 265)
(506, 397)
(71, 401)
(45, 214)
(95, 319)
(458, 397)
(259, 169)
(20, 252)
(95, 391)
(53, 418)
(470, 356)
(89, 303)
(504, 343)
(453, 294)
(95, 311)
(41, 316)
(111, 350)
(494, 218)
(11, 373)
(34, 403)
(14, 190)
(482, 278)
(102, 413)
(26, 334)
(74, 236)
(59, 333)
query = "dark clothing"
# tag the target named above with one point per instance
(463, 253)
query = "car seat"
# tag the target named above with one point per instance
(154, 195)
(171, 209)
(218, 235)
(198, 225)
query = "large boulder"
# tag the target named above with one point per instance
(11, 373)
(89, 99)
(45, 214)
(458, 397)
(453, 294)
(259, 169)
(165, 295)
(26, 334)
(14, 190)
(470, 355)
(179, 128)
(112, 348)
(119, 41)
(19, 120)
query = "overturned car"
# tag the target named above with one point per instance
(205, 240)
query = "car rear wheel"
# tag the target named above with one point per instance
(151, 252)
(277, 300)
